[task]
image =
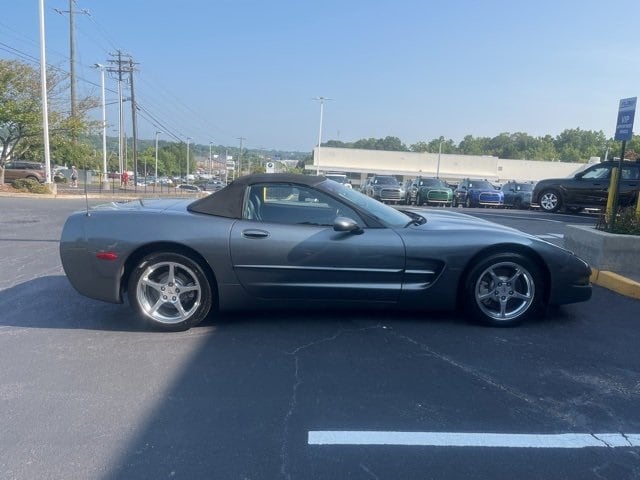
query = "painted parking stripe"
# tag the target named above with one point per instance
(451, 439)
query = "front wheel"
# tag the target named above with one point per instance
(170, 291)
(504, 289)
(467, 202)
(550, 201)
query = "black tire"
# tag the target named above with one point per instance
(170, 291)
(550, 201)
(504, 289)
(418, 201)
(517, 204)
(467, 202)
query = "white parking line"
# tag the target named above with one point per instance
(451, 439)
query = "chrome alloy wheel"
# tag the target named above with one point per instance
(168, 292)
(549, 201)
(504, 291)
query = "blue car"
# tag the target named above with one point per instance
(476, 193)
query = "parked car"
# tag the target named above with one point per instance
(588, 188)
(255, 245)
(518, 194)
(187, 188)
(385, 188)
(340, 178)
(213, 185)
(476, 193)
(430, 191)
(17, 169)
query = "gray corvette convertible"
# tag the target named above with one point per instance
(295, 241)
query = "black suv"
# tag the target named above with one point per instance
(24, 169)
(588, 188)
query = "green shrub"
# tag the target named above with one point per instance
(627, 222)
(29, 185)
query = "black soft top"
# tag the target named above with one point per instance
(229, 201)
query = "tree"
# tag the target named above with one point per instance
(21, 134)
(20, 113)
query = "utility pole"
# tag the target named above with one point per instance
(134, 127)
(240, 156)
(72, 53)
(120, 67)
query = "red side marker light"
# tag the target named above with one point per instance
(106, 256)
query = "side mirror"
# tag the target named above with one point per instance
(344, 224)
(578, 175)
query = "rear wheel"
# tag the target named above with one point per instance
(504, 289)
(550, 201)
(170, 291)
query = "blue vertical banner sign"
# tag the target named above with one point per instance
(626, 114)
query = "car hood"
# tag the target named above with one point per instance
(443, 220)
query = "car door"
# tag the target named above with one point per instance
(629, 183)
(591, 187)
(286, 248)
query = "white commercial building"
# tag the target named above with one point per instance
(360, 164)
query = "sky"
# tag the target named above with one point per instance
(218, 70)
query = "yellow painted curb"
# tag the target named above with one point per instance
(615, 282)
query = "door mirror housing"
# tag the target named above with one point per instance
(345, 224)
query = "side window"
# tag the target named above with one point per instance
(630, 172)
(295, 205)
(597, 173)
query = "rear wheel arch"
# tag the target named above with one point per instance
(169, 247)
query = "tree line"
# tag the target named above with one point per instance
(572, 145)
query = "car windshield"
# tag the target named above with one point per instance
(387, 215)
(385, 181)
(481, 184)
(432, 182)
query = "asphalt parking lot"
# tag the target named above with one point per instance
(86, 393)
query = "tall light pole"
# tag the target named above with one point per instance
(439, 154)
(156, 174)
(105, 180)
(322, 99)
(187, 177)
(43, 93)
(210, 144)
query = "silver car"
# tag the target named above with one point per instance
(294, 241)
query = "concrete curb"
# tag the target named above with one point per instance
(617, 283)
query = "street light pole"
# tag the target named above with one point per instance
(322, 99)
(210, 143)
(439, 154)
(105, 180)
(187, 177)
(156, 174)
(43, 92)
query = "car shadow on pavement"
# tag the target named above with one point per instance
(51, 302)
